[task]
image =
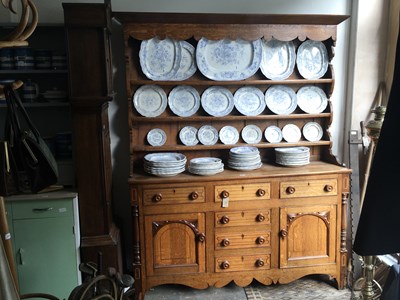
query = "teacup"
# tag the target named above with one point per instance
(30, 91)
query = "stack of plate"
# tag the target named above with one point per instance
(206, 166)
(244, 158)
(293, 156)
(164, 164)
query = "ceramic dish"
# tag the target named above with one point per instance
(281, 100)
(184, 100)
(150, 100)
(228, 135)
(291, 133)
(312, 59)
(251, 134)
(188, 136)
(207, 135)
(187, 65)
(160, 59)
(311, 99)
(273, 134)
(156, 137)
(249, 101)
(217, 101)
(278, 59)
(312, 131)
(227, 59)
(165, 159)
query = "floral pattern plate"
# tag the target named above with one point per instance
(291, 133)
(273, 134)
(249, 101)
(217, 101)
(184, 101)
(207, 135)
(281, 100)
(278, 59)
(312, 131)
(156, 137)
(150, 100)
(251, 134)
(160, 59)
(311, 99)
(187, 66)
(228, 135)
(312, 59)
(228, 59)
(188, 136)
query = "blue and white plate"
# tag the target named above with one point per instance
(187, 66)
(249, 101)
(228, 59)
(184, 100)
(217, 101)
(281, 100)
(312, 59)
(150, 100)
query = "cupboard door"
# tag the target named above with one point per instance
(175, 243)
(307, 235)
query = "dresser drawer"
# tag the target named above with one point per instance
(33, 209)
(243, 192)
(174, 195)
(242, 262)
(243, 240)
(308, 188)
(242, 218)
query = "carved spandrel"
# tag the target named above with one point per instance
(193, 224)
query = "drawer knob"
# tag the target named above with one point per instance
(225, 243)
(260, 218)
(224, 194)
(290, 189)
(225, 265)
(260, 240)
(157, 197)
(284, 233)
(201, 237)
(194, 195)
(328, 188)
(225, 220)
(260, 192)
(260, 263)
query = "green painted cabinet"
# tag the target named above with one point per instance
(45, 240)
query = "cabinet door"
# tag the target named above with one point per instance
(307, 235)
(175, 243)
(45, 254)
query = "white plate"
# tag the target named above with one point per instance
(281, 100)
(228, 135)
(228, 60)
(150, 100)
(249, 101)
(184, 101)
(217, 101)
(312, 59)
(165, 159)
(312, 99)
(207, 135)
(291, 133)
(312, 131)
(188, 136)
(278, 59)
(206, 162)
(251, 134)
(160, 59)
(187, 66)
(156, 137)
(273, 134)
(244, 151)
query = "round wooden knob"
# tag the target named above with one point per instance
(260, 263)
(194, 195)
(157, 197)
(328, 188)
(260, 192)
(201, 237)
(225, 220)
(290, 189)
(260, 218)
(260, 240)
(225, 243)
(224, 194)
(225, 265)
(284, 233)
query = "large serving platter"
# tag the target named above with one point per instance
(249, 101)
(278, 59)
(228, 59)
(217, 101)
(187, 65)
(160, 59)
(150, 100)
(184, 100)
(312, 99)
(281, 100)
(206, 166)
(312, 59)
